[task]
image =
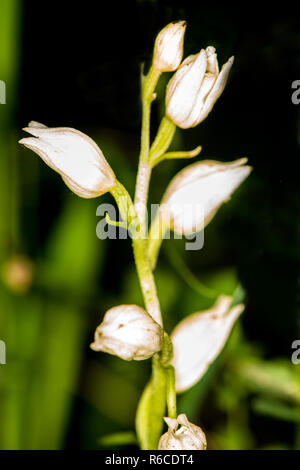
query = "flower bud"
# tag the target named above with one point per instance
(196, 193)
(187, 437)
(129, 332)
(74, 155)
(195, 87)
(199, 338)
(168, 48)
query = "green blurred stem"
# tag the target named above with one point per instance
(187, 275)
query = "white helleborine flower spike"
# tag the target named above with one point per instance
(168, 48)
(195, 194)
(129, 332)
(74, 155)
(195, 87)
(198, 339)
(187, 437)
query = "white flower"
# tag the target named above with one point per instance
(199, 338)
(168, 48)
(195, 87)
(129, 332)
(74, 155)
(187, 437)
(196, 193)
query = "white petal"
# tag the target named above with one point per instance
(198, 340)
(82, 191)
(206, 86)
(216, 91)
(183, 88)
(43, 149)
(196, 193)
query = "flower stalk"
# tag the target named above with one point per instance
(153, 401)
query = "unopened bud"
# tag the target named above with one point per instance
(168, 48)
(74, 155)
(129, 332)
(187, 437)
(195, 87)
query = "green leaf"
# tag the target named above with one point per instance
(151, 409)
(277, 377)
(70, 263)
(276, 409)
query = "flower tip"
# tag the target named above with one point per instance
(210, 50)
(37, 125)
(170, 422)
(227, 66)
(180, 23)
(241, 161)
(94, 346)
(26, 141)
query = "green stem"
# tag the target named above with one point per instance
(144, 170)
(151, 409)
(140, 243)
(146, 279)
(156, 235)
(171, 392)
(126, 208)
(162, 141)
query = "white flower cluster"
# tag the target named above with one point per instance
(196, 85)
